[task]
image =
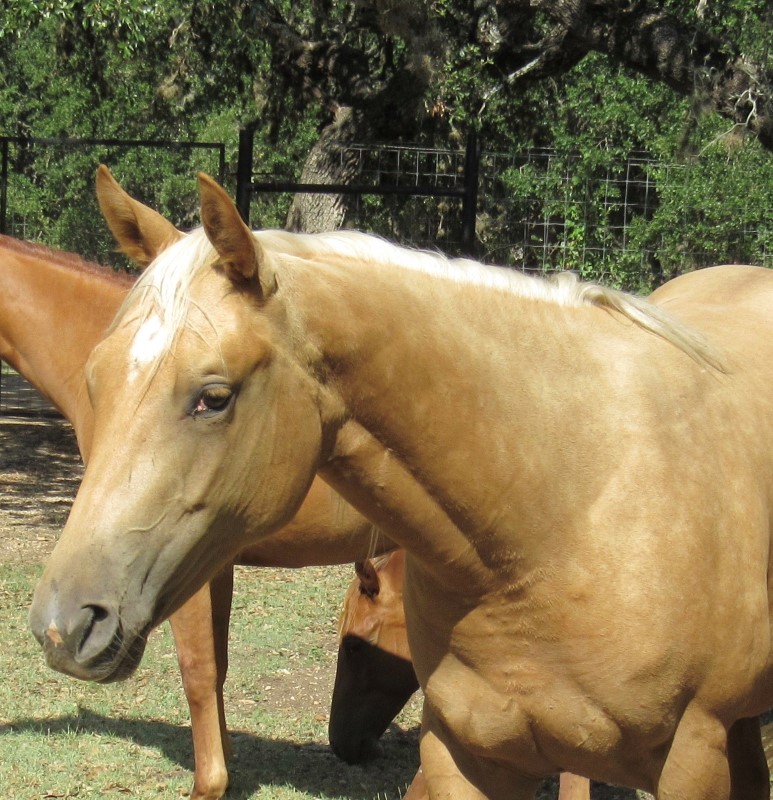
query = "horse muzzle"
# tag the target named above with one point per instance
(353, 748)
(87, 642)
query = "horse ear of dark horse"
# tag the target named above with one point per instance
(241, 255)
(370, 584)
(141, 233)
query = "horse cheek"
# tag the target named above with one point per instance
(280, 451)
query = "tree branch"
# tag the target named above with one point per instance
(638, 35)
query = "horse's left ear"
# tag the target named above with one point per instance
(370, 584)
(240, 253)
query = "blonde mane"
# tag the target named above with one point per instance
(164, 288)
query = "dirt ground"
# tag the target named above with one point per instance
(40, 470)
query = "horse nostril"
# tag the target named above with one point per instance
(91, 615)
(92, 632)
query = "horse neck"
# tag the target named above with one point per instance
(52, 313)
(438, 416)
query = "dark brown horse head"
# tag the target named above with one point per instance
(374, 676)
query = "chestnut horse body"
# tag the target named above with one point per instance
(54, 308)
(374, 674)
(583, 484)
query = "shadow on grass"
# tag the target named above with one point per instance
(310, 767)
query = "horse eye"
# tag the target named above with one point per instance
(212, 400)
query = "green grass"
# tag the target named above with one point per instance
(61, 738)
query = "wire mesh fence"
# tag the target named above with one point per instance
(631, 222)
(418, 196)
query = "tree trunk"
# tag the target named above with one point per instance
(328, 162)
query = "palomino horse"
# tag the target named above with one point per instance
(46, 334)
(375, 676)
(584, 486)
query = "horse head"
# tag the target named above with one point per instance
(374, 675)
(175, 478)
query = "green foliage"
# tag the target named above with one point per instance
(192, 71)
(633, 222)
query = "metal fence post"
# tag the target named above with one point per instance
(470, 200)
(244, 173)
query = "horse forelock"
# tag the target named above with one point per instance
(161, 298)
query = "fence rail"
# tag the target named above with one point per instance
(632, 222)
(432, 179)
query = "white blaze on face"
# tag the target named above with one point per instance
(147, 346)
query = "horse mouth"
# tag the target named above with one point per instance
(359, 751)
(116, 662)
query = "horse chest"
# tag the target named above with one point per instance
(518, 714)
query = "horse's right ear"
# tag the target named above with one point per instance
(240, 254)
(141, 233)
(370, 585)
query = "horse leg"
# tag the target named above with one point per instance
(453, 774)
(200, 630)
(697, 765)
(418, 788)
(749, 773)
(573, 787)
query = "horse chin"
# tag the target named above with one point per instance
(128, 665)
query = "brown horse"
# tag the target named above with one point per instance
(584, 486)
(54, 308)
(375, 676)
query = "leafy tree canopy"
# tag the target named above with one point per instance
(678, 78)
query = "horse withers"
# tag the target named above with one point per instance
(568, 468)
